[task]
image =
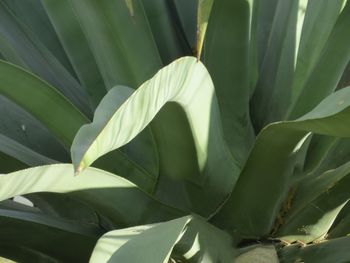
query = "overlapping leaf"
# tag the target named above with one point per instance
(252, 209)
(33, 231)
(186, 82)
(106, 193)
(205, 243)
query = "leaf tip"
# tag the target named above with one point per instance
(79, 169)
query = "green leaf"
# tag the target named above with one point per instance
(314, 36)
(317, 204)
(188, 239)
(318, 151)
(64, 206)
(21, 127)
(186, 82)
(342, 228)
(125, 51)
(272, 92)
(204, 10)
(139, 152)
(329, 68)
(187, 16)
(130, 6)
(104, 192)
(22, 153)
(77, 48)
(38, 23)
(37, 97)
(203, 242)
(251, 209)
(262, 15)
(328, 153)
(166, 29)
(34, 231)
(128, 245)
(258, 253)
(39, 59)
(10, 164)
(330, 251)
(227, 62)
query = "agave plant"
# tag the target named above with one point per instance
(175, 131)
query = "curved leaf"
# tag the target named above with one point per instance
(40, 60)
(113, 197)
(195, 240)
(140, 151)
(128, 245)
(186, 82)
(251, 209)
(18, 85)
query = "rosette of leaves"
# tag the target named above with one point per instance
(175, 131)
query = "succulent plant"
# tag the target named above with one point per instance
(175, 131)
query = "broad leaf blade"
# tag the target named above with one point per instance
(128, 245)
(104, 192)
(139, 153)
(186, 82)
(227, 62)
(271, 164)
(18, 85)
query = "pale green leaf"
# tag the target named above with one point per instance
(186, 82)
(128, 245)
(106, 193)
